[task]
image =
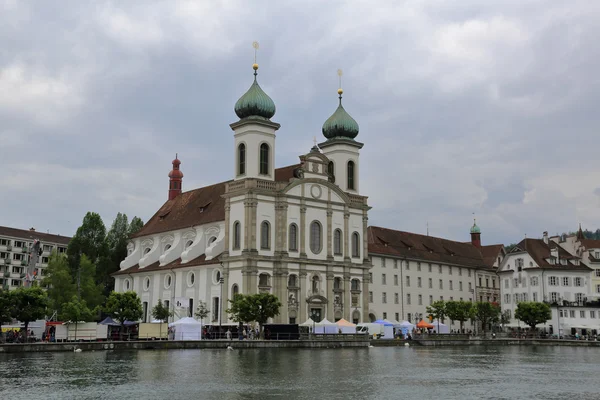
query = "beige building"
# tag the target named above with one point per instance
(15, 246)
(411, 271)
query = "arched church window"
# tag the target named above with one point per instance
(292, 281)
(265, 236)
(236, 235)
(241, 159)
(337, 242)
(315, 237)
(350, 175)
(330, 169)
(234, 290)
(293, 245)
(264, 159)
(355, 244)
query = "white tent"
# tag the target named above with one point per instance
(309, 322)
(406, 325)
(346, 326)
(443, 328)
(186, 329)
(326, 327)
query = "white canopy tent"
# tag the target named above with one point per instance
(442, 328)
(186, 329)
(346, 326)
(326, 326)
(309, 322)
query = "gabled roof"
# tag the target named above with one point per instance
(490, 253)
(197, 207)
(540, 251)
(172, 265)
(27, 234)
(428, 248)
(590, 243)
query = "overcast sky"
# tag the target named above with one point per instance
(470, 106)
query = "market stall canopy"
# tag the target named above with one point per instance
(423, 324)
(406, 324)
(383, 322)
(129, 323)
(187, 329)
(343, 322)
(109, 321)
(309, 322)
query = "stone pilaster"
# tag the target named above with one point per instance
(302, 314)
(364, 314)
(329, 233)
(347, 313)
(365, 252)
(302, 229)
(329, 294)
(347, 233)
(227, 226)
(225, 291)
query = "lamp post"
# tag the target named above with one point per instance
(313, 315)
(221, 281)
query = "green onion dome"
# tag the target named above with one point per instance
(255, 102)
(340, 124)
(475, 228)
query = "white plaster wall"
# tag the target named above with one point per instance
(293, 216)
(236, 213)
(265, 212)
(174, 252)
(340, 155)
(253, 136)
(355, 224)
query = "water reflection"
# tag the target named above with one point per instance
(374, 373)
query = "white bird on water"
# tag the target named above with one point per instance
(77, 350)
(229, 347)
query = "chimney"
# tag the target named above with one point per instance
(175, 177)
(545, 235)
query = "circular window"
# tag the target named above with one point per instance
(191, 278)
(127, 284)
(315, 191)
(168, 281)
(146, 283)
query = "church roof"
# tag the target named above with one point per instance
(255, 102)
(540, 252)
(172, 265)
(490, 253)
(427, 248)
(197, 207)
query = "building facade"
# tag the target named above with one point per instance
(15, 248)
(298, 232)
(411, 271)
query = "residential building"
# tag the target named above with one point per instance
(298, 232)
(15, 246)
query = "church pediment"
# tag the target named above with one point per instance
(317, 189)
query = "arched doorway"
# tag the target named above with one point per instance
(372, 317)
(356, 317)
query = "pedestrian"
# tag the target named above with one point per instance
(228, 334)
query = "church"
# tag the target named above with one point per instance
(298, 232)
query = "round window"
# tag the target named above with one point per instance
(146, 283)
(216, 277)
(168, 281)
(127, 284)
(191, 278)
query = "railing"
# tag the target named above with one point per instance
(357, 199)
(268, 185)
(236, 186)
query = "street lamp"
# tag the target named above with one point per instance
(221, 281)
(313, 315)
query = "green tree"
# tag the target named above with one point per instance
(135, 225)
(202, 312)
(510, 247)
(89, 290)
(29, 304)
(116, 243)
(437, 310)
(123, 307)
(6, 305)
(459, 311)
(533, 313)
(505, 318)
(90, 239)
(161, 313)
(486, 313)
(76, 311)
(58, 281)
(254, 307)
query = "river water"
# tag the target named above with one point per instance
(366, 373)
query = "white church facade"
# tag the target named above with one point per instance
(298, 232)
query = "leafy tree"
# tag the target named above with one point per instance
(161, 313)
(505, 318)
(58, 281)
(437, 310)
(6, 304)
(90, 239)
(76, 311)
(29, 304)
(459, 311)
(533, 313)
(89, 290)
(254, 307)
(123, 307)
(510, 247)
(486, 313)
(202, 312)
(135, 225)
(116, 243)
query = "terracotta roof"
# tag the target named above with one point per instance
(197, 207)
(421, 247)
(590, 243)
(540, 251)
(490, 253)
(26, 234)
(172, 265)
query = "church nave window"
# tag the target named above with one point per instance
(337, 242)
(265, 235)
(264, 159)
(234, 290)
(316, 242)
(236, 235)
(331, 169)
(350, 175)
(355, 244)
(241, 159)
(293, 240)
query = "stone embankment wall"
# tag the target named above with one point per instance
(485, 342)
(174, 345)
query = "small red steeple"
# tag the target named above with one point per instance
(175, 177)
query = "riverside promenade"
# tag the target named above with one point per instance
(485, 342)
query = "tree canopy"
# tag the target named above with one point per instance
(160, 312)
(533, 313)
(459, 311)
(254, 307)
(202, 311)
(29, 304)
(59, 282)
(486, 313)
(125, 306)
(437, 310)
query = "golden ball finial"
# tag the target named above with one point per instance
(255, 66)
(340, 91)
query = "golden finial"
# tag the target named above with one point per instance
(255, 45)
(340, 90)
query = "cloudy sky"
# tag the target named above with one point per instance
(470, 106)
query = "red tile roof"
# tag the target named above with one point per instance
(590, 243)
(27, 234)
(540, 251)
(490, 253)
(428, 248)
